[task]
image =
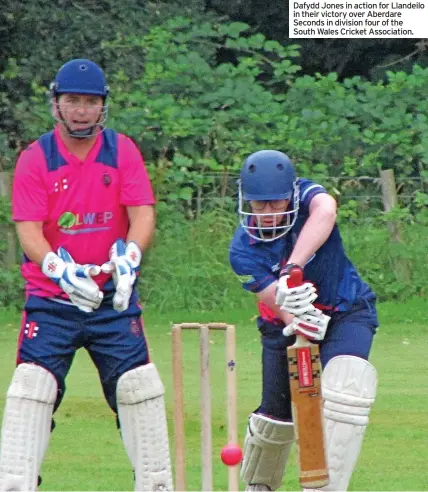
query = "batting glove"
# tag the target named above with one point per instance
(295, 300)
(124, 264)
(74, 279)
(312, 326)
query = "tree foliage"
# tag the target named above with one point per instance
(37, 37)
(347, 57)
(199, 93)
(195, 118)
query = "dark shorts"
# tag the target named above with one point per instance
(349, 333)
(52, 332)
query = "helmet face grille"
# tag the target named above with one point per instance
(265, 176)
(91, 131)
(251, 222)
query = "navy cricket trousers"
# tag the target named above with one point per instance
(52, 332)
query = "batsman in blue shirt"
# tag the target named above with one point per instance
(286, 222)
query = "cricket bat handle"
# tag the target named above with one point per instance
(296, 277)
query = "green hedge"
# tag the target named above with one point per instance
(188, 266)
(188, 269)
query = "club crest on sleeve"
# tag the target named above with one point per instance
(106, 179)
(31, 329)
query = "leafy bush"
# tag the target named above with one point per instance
(11, 287)
(187, 267)
(395, 270)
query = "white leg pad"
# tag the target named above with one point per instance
(143, 424)
(266, 449)
(26, 427)
(349, 386)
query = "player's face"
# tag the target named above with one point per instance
(269, 212)
(79, 111)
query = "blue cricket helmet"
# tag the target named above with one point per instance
(267, 175)
(80, 76)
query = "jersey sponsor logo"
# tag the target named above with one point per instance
(71, 223)
(276, 267)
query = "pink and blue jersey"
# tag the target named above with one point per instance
(82, 204)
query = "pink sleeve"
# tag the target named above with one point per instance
(135, 186)
(29, 193)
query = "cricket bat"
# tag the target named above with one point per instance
(307, 406)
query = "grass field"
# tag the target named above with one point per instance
(86, 452)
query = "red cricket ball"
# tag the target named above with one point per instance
(231, 454)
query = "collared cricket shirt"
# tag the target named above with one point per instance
(82, 204)
(258, 263)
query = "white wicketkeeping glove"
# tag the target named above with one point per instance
(295, 300)
(312, 326)
(74, 279)
(124, 264)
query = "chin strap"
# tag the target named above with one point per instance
(81, 134)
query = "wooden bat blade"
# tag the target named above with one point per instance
(306, 400)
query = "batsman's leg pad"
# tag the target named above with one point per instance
(349, 386)
(266, 449)
(142, 417)
(26, 427)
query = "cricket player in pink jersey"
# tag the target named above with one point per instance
(83, 207)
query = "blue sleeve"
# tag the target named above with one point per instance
(308, 190)
(254, 276)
